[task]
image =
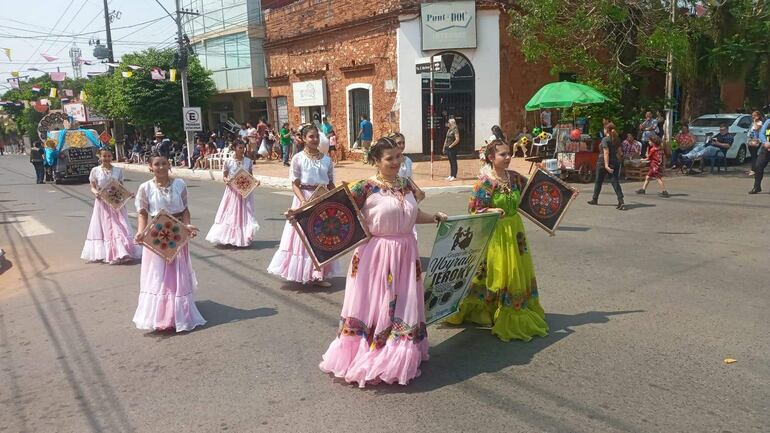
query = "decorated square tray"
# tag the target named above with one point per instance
(243, 182)
(165, 235)
(115, 194)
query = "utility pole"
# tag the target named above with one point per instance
(670, 84)
(182, 66)
(110, 57)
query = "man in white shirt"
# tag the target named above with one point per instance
(545, 120)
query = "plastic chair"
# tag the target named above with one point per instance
(539, 143)
(720, 156)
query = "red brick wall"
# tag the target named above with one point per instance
(378, 49)
(309, 16)
(519, 81)
(344, 33)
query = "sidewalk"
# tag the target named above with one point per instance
(274, 174)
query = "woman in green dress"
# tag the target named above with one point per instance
(503, 293)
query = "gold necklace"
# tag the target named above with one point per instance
(504, 184)
(163, 189)
(316, 155)
(395, 184)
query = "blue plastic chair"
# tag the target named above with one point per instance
(718, 158)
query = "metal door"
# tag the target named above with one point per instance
(453, 98)
(359, 104)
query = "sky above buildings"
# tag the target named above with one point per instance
(31, 28)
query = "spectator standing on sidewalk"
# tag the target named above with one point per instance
(36, 158)
(284, 136)
(365, 134)
(763, 157)
(755, 141)
(450, 148)
(328, 130)
(545, 121)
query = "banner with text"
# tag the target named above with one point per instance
(461, 244)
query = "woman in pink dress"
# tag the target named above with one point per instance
(309, 169)
(382, 335)
(109, 234)
(166, 299)
(235, 223)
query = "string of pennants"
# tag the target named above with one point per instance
(64, 95)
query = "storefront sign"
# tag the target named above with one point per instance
(448, 25)
(309, 93)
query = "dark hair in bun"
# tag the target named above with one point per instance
(489, 151)
(156, 154)
(376, 151)
(306, 129)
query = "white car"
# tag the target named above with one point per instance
(738, 125)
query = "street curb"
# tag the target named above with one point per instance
(268, 181)
(211, 175)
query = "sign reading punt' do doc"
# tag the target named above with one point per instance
(448, 25)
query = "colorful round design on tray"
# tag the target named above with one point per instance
(545, 200)
(331, 225)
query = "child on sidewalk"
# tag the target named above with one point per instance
(655, 157)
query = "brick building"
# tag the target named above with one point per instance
(341, 58)
(332, 58)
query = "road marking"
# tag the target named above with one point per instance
(28, 226)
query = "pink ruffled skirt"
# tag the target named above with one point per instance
(109, 236)
(382, 335)
(235, 223)
(166, 298)
(292, 262)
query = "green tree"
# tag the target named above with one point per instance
(26, 117)
(612, 43)
(145, 102)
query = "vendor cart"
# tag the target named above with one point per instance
(573, 156)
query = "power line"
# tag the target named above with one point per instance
(37, 50)
(45, 35)
(68, 25)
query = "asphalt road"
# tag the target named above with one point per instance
(643, 306)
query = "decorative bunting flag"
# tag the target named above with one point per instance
(134, 67)
(58, 76)
(172, 74)
(94, 74)
(36, 89)
(8, 54)
(64, 100)
(49, 57)
(83, 96)
(52, 94)
(127, 74)
(14, 82)
(45, 101)
(68, 93)
(112, 65)
(15, 74)
(158, 74)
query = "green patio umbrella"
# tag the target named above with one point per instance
(564, 94)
